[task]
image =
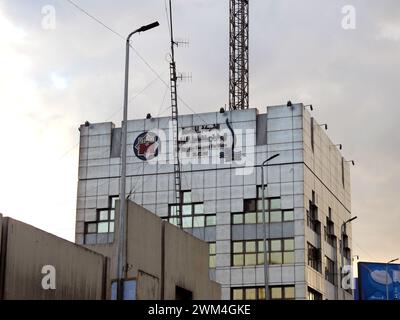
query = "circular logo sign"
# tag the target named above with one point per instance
(146, 146)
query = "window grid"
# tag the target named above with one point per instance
(105, 219)
(193, 215)
(251, 252)
(212, 254)
(253, 211)
(258, 293)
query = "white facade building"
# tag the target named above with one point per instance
(307, 198)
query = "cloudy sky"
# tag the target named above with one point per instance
(55, 74)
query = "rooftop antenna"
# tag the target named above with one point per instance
(239, 54)
(174, 121)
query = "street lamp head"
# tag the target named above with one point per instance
(272, 157)
(148, 27)
(351, 219)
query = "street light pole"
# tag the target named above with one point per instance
(387, 278)
(121, 263)
(267, 295)
(342, 231)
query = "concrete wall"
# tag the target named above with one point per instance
(186, 265)
(185, 258)
(80, 273)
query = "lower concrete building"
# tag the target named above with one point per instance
(40, 266)
(163, 262)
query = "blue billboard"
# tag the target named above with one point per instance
(378, 281)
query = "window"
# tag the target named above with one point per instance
(248, 293)
(330, 271)
(282, 293)
(346, 246)
(193, 215)
(104, 223)
(212, 254)
(314, 295)
(314, 257)
(330, 237)
(258, 293)
(251, 252)
(312, 216)
(253, 211)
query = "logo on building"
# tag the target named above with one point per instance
(146, 146)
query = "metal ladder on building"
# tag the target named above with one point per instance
(175, 140)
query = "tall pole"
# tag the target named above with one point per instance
(342, 231)
(121, 249)
(265, 237)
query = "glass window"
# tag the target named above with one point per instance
(261, 293)
(276, 257)
(102, 227)
(260, 258)
(212, 248)
(237, 294)
(288, 244)
(289, 293)
(187, 222)
(198, 208)
(260, 217)
(288, 216)
(276, 293)
(211, 220)
(261, 246)
(250, 246)
(112, 215)
(173, 211)
(212, 262)
(251, 294)
(174, 221)
(276, 245)
(111, 226)
(259, 192)
(238, 259)
(249, 205)
(250, 217)
(187, 210)
(92, 228)
(275, 203)
(238, 218)
(103, 215)
(259, 204)
(276, 216)
(250, 259)
(238, 247)
(187, 197)
(113, 202)
(198, 222)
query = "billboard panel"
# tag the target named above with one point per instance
(378, 281)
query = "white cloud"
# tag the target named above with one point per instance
(59, 82)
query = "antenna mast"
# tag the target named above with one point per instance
(239, 54)
(174, 120)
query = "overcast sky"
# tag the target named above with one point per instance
(53, 79)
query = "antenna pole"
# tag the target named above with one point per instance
(239, 54)
(174, 121)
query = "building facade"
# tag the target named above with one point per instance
(307, 195)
